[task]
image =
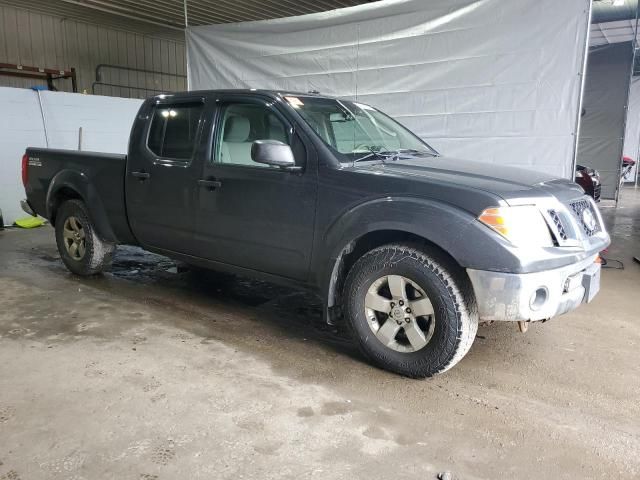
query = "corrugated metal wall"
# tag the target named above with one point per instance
(47, 41)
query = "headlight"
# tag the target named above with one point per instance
(524, 226)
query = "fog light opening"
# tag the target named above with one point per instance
(539, 298)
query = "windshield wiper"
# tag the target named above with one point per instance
(394, 155)
(374, 152)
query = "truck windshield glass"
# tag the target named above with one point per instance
(356, 131)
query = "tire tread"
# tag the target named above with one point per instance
(99, 252)
(465, 309)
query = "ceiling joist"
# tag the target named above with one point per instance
(167, 17)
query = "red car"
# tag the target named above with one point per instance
(589, 179)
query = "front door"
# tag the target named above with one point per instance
(254, 215)
(161, 177)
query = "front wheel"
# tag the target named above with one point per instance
(410, 312)
(81, 250)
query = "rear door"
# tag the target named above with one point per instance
(254, 215)
(162, 173)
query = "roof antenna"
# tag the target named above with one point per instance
(314, 92)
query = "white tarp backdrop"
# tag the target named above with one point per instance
(489, 80)
(105, 122)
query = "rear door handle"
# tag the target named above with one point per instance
(210, 184)
(141, 175)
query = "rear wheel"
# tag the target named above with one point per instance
(410, 311)
(81, 249)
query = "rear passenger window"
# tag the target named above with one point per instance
(173, 130)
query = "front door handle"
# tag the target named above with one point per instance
(210, 184)
(141, 175)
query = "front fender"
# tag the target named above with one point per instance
(452, 229)
(80, 184)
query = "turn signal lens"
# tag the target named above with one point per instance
(522, 225)
(495, 219)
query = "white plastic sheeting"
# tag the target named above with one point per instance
(106, 122)
(20, 125)
(632, 132)
(489, 80)
(605, 101)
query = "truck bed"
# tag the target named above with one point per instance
(99, 176)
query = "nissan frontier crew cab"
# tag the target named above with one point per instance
(408, 248)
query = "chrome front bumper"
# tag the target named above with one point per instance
(535, 296)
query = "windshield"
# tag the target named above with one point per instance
(356, 131)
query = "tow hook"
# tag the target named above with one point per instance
(523, 326)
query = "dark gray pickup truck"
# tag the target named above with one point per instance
(408, 248)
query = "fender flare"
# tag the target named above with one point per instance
(80, 184)
(450, 228)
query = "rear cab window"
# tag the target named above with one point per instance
(174, 130)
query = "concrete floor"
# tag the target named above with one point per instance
(149, 374)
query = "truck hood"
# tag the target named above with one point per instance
(514, 185)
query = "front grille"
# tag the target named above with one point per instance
(589, 227)
(558, 224)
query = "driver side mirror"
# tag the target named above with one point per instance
(273, 152)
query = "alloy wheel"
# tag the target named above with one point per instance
(399, 313)
(74, 238)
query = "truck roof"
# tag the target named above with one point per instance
(248, 91)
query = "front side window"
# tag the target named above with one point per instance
(355, 130)
(243, 123)
(173, 130)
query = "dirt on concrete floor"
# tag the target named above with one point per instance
(152, 372)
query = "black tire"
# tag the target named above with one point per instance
(455, 312)
(96, 252)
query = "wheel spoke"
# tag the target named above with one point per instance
(81, 232)
(397, 286)
(415, 335)
(387, 332)
(377, 302)
(67, 233)
(81, 249)
(73, 249)
(421, 306)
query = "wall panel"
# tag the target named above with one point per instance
(48, 41)
(605, 105)
(105, 126)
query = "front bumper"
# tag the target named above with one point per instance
(535, 296)
(26, 208)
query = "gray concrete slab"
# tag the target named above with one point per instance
(148, 374)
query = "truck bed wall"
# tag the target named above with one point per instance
(98, 178)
